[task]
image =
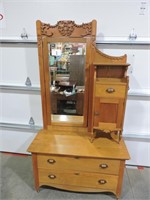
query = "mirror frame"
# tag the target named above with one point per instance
(63, 31)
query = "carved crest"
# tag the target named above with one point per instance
(66, 27)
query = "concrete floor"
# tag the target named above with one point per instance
(16, 183)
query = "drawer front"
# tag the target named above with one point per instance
(110, 90)
(82, 164)
(76, 178)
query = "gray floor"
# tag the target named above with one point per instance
(16, 183)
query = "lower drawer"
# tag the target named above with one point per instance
(77, 178)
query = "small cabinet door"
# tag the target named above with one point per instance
(108, 113)
(109, 104)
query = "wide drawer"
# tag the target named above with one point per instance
(76, 178)
(105, 166)
(110, 90)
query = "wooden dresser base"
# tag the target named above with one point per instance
(81, 166)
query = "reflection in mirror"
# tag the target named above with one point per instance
(67, 71)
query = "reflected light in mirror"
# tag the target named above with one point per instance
(67, 118)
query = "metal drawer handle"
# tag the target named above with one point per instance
(110, 90)
(102, 181)
(51, 176)
(103, 166)
(51, 161)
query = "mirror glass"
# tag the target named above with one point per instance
(67, 81)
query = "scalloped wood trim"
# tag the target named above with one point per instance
(77, 188)
(67, 28)
(101, 57)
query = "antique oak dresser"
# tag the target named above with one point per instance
(80, 147)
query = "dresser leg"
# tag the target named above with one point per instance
(120, 180)
(35, 171)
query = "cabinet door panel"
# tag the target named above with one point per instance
(108, 111)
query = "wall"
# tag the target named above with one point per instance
(115, 18)
(115, 21)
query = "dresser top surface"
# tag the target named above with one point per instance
(75, 145)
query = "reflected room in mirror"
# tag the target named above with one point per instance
(67, 80)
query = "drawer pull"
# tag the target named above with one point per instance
(51, 176)
(102, 181)
(103, 166)
(51, 161)
(110, 90)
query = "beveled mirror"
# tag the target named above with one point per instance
(65, 59)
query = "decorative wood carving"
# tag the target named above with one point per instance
(101, 57)
(67, 28)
